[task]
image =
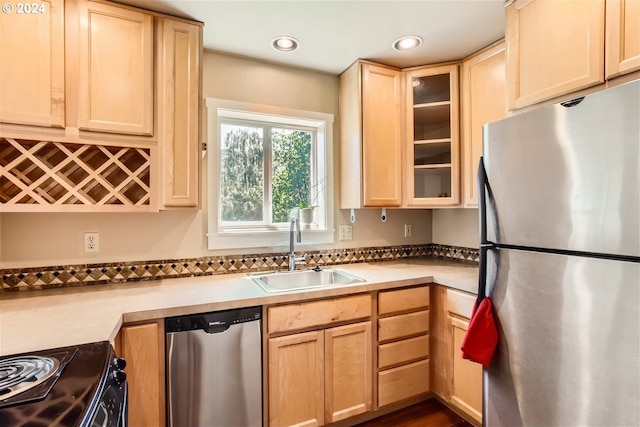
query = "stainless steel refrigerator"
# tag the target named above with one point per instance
(560, 255)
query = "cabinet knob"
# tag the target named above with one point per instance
(120, 377)
(119, 363)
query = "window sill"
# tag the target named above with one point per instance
(267, 239)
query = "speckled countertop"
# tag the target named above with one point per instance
(55, 318)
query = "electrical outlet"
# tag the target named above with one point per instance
(346, 232)
(407, 230)
(91, 242)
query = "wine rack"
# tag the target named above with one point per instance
(55, 176)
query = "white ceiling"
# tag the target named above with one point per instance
(333, 34)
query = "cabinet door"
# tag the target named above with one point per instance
(296, 380)
(381, 136)
(142, 346)
(178, 75)
(348, 376)
(623, 37)
(553, 48)
(32, 64)
(467, 376)
(484, 100)
(432, 166)
(116, 69)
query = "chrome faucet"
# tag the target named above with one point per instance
(294, 228)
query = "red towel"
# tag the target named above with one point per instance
(481, 338)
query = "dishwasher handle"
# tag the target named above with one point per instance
(214, 322)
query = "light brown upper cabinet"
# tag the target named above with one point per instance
(483, 100)
(103, 114)
(553, 48)
(178, 74)
(32, 67)
(622, 37)
(432, 164)
(80, 70)
(116, 69)
(371, 136)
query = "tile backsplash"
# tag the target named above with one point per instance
(25, 279)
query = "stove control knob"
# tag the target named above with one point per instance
(119, 363)
(119, 376)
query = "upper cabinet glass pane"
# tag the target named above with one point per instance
(431, 183)
(431, 154)
(429, 89)
(432, 122)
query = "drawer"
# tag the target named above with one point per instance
(403, 382)
(317, 313)
(399, 352)
(403, 325)
(460, 303)
(403, 300)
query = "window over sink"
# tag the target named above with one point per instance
(265, 165)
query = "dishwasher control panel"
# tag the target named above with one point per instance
(213, 322)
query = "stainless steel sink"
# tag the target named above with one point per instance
(282, 281)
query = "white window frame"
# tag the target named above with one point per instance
(227, 237)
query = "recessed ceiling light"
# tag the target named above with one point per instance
(285, 43)
(407, 43)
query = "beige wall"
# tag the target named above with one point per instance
(46, 239)
(456, 227)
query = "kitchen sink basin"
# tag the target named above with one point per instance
(282, 281)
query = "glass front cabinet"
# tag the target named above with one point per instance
(433, 155)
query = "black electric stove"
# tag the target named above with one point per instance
(78, 386)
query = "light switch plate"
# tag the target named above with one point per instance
(345, 232)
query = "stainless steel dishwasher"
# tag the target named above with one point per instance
(214, 369)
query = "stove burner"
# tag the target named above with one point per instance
(21, 373)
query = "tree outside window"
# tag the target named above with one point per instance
(291, 171)
(242, 174)
(265, 163)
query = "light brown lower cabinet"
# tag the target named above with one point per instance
(454, 380)
(142, 346)
(320, 358)
(348, 372)
(324, 375)
(296, 380)
(403, 382)
(403, 344)
(467, 376)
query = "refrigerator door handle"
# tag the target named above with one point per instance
(482, 274)
(483, 186)
(482, 205)
(485, 198)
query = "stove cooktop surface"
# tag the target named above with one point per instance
(29, 377)
(52, 387)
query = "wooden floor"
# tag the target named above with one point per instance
(430, 413)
